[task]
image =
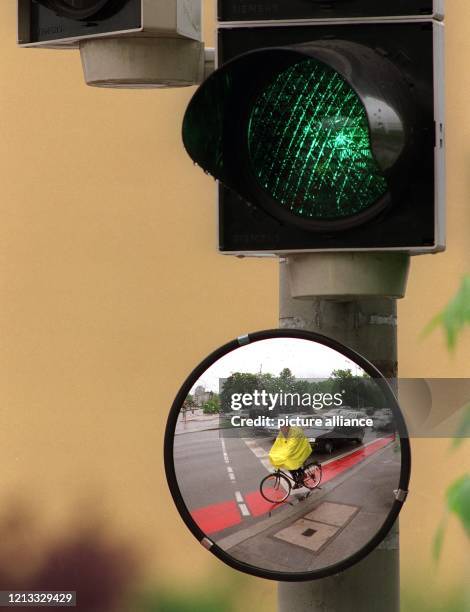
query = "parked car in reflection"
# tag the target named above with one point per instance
(383, 420)
(327, 439)
(324, 438)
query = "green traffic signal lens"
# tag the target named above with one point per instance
(309, 144)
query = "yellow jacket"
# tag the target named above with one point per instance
(291, 452)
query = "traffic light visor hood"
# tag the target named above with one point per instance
(78, 9)
(315, 131)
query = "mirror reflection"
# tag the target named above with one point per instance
(287, 455)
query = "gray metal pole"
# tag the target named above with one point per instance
(368, 325)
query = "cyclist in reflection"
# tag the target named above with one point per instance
(290, 450)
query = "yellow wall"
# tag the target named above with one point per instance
(106, 304)
(433, 282)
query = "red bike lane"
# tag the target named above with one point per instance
(217, 517)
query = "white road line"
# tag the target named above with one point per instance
(267, 464)
(259, 453)
(244, 510)
(231, 475)
(241, 504)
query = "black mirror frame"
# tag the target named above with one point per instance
(405, 473)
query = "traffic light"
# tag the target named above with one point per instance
(79, 9)
(123, 43)
(63, 23)
(325, 126)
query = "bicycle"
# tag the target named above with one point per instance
(276, 487)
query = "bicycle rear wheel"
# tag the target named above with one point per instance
(312, 475)
(275, 488)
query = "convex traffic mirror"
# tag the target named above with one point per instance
(287, 455)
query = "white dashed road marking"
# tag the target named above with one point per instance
(259, 453)
(244, 510)
(243, 507)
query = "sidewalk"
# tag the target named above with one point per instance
(194, 423)
(333, 523)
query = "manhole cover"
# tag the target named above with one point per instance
(307, 534)
(332, 514)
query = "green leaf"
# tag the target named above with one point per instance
(455, 316)
(439, 539)
(463, 430)
(172, 601)
(458, 500)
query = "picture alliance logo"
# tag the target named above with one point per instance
(261, 400)
(272, 401)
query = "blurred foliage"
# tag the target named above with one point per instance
(212, 406)
(189, 403)
(175, 601)
(455, 316)
(458, 500)
(238, 382)
(463, 430)
(226, 591)
(358, 391)
(423, 601)
(458, 503)
(100, 567)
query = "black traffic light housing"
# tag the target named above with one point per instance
(57, 20)
(249, 10)
(391, 68)
(80, 9)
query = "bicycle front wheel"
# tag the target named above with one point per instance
(275, 488)
(312, 475)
